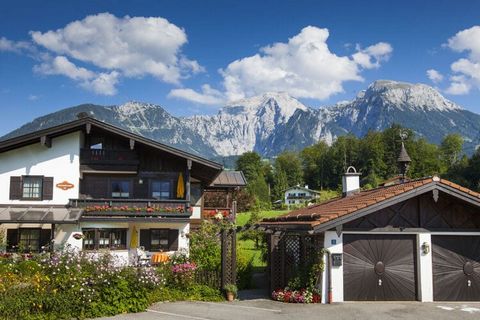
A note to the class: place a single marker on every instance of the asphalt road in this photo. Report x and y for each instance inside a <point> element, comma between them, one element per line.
<point>262,309</point>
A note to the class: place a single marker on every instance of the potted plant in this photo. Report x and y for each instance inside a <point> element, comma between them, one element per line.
<point>230,291</point>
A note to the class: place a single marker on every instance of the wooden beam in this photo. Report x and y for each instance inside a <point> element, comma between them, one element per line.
<point>46,141</point>
<point>187,181</point>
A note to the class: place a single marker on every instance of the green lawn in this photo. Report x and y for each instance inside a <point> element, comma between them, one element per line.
<point>248,246</point>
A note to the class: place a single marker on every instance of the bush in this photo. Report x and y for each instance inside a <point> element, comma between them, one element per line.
<point>72,285</point>
<point>244,270</point>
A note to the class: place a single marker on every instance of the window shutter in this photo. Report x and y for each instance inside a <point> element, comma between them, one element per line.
<point>173,239</point>
<point>15,188</point>
<point>47,188</point>
<point>12,239</point>
<point>145,239</point>
<point>45,235</point>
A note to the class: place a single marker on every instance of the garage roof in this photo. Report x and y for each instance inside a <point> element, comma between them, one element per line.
<point>340,210</point>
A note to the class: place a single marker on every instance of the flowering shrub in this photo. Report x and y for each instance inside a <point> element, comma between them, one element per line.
<point>296,296</point>
<point>183,274</point>
<point>72,285</point>
<point>151,209</point>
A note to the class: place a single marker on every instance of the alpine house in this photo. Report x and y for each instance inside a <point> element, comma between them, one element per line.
<point>409,240</point>
<point>89,185</point>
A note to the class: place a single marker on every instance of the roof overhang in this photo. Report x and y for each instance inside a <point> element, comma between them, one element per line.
<point>41,215</point>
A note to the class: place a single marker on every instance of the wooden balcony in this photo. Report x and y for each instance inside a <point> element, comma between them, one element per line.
<point>105,156</point>
<point>132,207</point>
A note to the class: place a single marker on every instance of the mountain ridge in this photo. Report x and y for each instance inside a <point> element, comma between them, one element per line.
<point>273,122</point>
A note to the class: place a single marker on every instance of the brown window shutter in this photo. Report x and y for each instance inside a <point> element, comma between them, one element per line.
<point>145,239</point>
<point>173,239</point>
<point>15,188</point>
<point>47,188</point>
<point>12,239</point>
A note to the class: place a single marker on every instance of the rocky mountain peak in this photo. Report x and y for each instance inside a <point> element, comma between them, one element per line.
<point>406,96</point>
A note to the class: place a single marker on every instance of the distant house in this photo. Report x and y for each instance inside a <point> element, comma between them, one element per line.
<point>300,195</point>
<point>93,186</point>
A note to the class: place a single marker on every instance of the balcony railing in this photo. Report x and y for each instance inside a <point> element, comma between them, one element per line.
<point>133,207</point>
<point>105,156</point>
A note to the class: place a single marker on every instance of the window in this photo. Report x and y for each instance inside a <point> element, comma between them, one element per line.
<point>161,189</point>
<point>29,240</point>
<point>113,239</point>
<point>32,187</point>
<point>159,240</point>
<point>121,189</point>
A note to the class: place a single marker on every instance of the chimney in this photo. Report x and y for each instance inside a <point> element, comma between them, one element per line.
<point>351,182</point>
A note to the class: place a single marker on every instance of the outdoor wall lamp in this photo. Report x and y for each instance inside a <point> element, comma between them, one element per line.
<point>140,181</point>
<point>425,248</point>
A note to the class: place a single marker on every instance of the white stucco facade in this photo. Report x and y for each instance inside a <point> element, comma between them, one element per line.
<point>299,195</point>
<point>61,162</point>
<point>333,243</point>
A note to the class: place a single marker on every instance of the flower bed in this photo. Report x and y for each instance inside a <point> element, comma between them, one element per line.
<point>296,296</point>
<point>151,209</point>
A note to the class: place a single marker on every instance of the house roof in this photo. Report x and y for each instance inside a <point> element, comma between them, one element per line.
<point>341,210</point>
<point>212,167</point>
<point>228,178</point>
<point>34,137</point>
<point>302,188</point>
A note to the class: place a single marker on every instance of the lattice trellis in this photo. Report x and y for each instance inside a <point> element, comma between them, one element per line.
<point>229,257</point>
<point>288,253</point>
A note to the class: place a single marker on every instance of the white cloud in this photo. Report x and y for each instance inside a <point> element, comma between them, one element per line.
<point>466,70</point>
<point>434,76</point>
<point>100,83</point>
<point>371,56</point>
<point>33,97</point>
<point>304,67</point>
<point>208,95</point>
<point>134,46</point>
<point>14,46</point>
<point>109,48</point>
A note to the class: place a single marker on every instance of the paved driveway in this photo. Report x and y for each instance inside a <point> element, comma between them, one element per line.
<point>262,309</point>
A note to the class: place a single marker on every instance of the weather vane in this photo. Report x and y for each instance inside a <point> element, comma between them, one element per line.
<point>403,135</point>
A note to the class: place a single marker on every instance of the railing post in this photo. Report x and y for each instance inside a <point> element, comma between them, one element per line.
<point>187,182</point>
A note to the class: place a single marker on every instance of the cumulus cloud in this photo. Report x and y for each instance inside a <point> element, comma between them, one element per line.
<point>101,83</point>
<point>303,66</point>
<point>110,48</point>
<point>208,95</point>
<point>434,76</point>
<point>14,46</point>
<point>135,46</point>
<point>371,56</point>
<point>466,70</point>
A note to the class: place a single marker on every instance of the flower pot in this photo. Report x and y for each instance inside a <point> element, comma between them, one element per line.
<point>230,296</point>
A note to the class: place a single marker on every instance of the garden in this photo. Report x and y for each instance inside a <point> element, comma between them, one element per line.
<point>71,284</point>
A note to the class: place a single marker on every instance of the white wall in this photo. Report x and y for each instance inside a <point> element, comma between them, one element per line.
<point>334,244</point>
<point>425,271</point>
<point>61,162</point>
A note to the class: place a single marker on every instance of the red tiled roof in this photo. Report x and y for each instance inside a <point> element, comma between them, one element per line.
<point>338,207</point>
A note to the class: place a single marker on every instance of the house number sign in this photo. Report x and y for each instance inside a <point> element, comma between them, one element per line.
<point>64,185</point>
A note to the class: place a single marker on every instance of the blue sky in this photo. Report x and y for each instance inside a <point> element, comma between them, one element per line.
<point>193,56</point>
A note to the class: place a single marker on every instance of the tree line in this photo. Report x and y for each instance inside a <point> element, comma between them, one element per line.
<point>321,166</point>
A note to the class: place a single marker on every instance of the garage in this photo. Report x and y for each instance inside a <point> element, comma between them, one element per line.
<point>456,268</point>
<point>379,267</point>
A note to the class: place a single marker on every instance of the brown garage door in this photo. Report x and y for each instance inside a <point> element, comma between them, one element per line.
<point>456,268</point>
<point>379,267</point>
